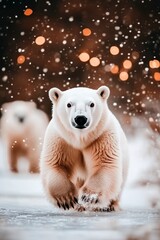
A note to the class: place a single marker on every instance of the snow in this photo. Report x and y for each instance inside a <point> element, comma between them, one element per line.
<point>142,187</point>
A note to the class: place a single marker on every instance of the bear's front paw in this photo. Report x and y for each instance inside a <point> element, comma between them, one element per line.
<point>88,196</point>
<point>113,206</point>
<point>66,201</point>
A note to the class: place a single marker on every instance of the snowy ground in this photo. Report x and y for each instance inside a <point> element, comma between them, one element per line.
<point>39,223</point>
<point>26,214</point>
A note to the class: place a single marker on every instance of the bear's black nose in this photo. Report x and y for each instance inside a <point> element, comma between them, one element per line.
<point>21,119</point>
<point>80,120</point>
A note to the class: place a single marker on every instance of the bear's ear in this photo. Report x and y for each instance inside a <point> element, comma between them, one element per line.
<point>5,107</point>
<point>54,94</point>
<point>103,92</point>
<point>32,104</point>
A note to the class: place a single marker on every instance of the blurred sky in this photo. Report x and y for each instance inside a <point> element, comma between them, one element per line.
<point>82,43</point>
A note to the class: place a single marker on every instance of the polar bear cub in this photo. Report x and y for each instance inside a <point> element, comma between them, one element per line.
<point>22,128</point>
<point>84,157</point>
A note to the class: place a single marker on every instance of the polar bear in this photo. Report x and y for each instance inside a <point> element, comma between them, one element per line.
<point>22,128</point>
<point>84,158</point>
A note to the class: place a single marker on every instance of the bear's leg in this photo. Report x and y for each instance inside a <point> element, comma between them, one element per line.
<point>91,195</point>
<point>104,167</point>
<point>100,192</point>
<point>59,188</point>
<point>33,163</point>
<point>58,171</point>
<point>33,168</point>
<point>13,158</point>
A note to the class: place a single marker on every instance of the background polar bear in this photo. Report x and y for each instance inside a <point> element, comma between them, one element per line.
<point>22,128</point>
<point>84,157</point>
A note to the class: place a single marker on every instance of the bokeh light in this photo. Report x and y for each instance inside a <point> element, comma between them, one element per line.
<point>40,40</point>
<point>135,55</point>
<point>123,76</point>
<point>21,59</point>
<point>157,76</point>
<point>107,68</point>
<point>127,64</point>
<point>114,50</point>
<point>154,63</point>
<point>94,61</point>
<point>114,69</point>
<point>86,32</point>
<point>28,12</point>
<point>61,46</point>
<point>84,57</point>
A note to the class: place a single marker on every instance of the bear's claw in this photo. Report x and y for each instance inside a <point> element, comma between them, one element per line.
<point>67,206</point>
<point>75,200</point>
<point>80,208</point>
<point>105,209</point>
<point>90,198</point>
<point>66,203</point>
<point>58,204</point>
<point>110,208</point>
<point>71,203</point>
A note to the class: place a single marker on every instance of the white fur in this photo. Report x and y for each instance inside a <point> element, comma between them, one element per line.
<point>84,162</point>
<point>23,138</point>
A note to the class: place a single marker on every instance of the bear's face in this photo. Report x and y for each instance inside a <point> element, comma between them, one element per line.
<point>79,108</point>
<point>17,112</point>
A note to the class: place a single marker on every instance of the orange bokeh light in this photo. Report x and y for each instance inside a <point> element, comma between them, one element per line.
<point>40,40</point>
<point>157,76</point>
<point>135,55</point>
<point>21,59</point>
<point>86,32</point>
<point>114,69</point>
<point>28,12</point>
<point>123,76</point>
<point>127,64</point>
<point>94,61</point>
<point>114,50</point>
<point>84,57</point>
<point>154,63</point>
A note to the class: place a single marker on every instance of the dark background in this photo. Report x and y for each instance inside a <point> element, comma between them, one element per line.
<point>133,26</point>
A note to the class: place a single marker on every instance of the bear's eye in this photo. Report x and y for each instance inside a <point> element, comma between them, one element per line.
<point>92,105</point>
<point>69,105</point>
